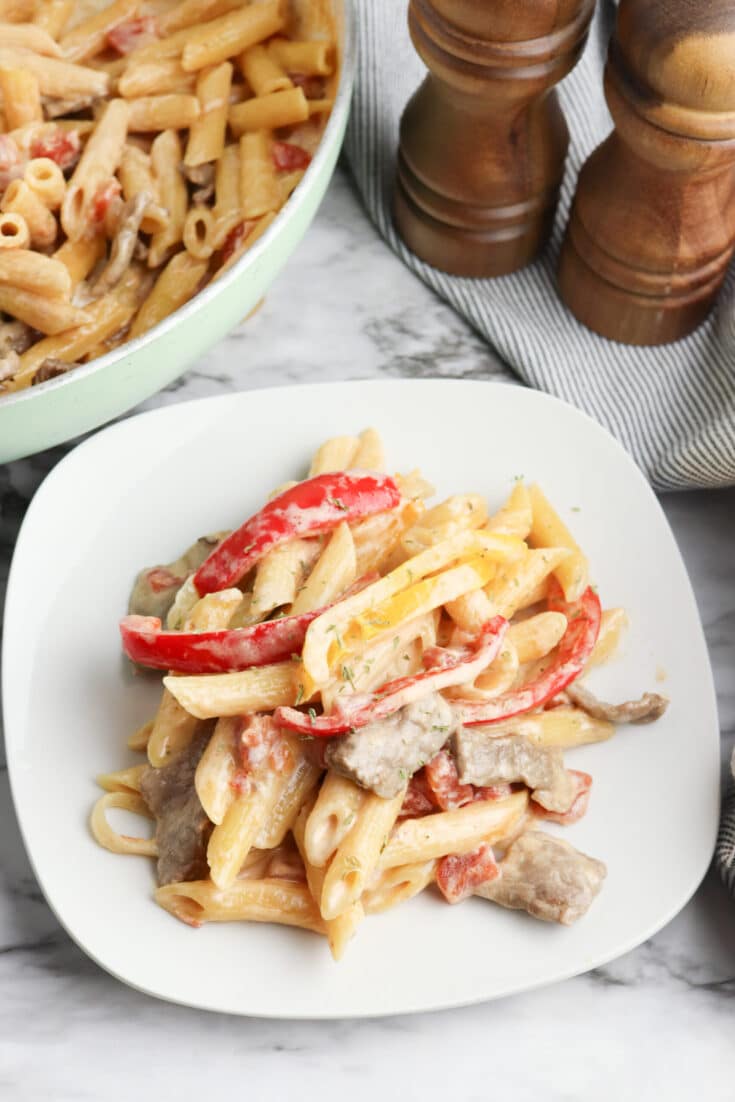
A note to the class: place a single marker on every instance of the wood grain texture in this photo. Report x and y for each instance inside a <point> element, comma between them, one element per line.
<point>652,229</point>
<point>483,140</point>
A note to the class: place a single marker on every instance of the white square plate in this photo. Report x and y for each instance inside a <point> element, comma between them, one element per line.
<point>140,491</point>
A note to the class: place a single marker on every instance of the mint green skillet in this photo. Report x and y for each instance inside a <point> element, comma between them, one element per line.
<point>92,394</point>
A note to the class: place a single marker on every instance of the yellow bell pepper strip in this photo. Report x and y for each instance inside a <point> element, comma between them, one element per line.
<point>306,509</point>
<point>575,647</point>
<point>446,666</point>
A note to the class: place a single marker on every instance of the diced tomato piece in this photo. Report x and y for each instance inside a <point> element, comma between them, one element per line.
<point>419,797</point>
<point>580,803</point>
<point>61,146</point>
<point>287,156</point>
<point>235,238</point>
<point>11,165</point>
<point>159,579</point>
<point>459,874</point>
<point>441,775</point>
<point>314,87</point>
<point>105,194</point>
<point>127,36</point>
<point>260,745</point>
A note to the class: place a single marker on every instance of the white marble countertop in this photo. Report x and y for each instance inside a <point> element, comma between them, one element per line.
<point>654,1024</point>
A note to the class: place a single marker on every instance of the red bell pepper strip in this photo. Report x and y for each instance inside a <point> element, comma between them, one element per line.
<point>224,651</point>
<point>447,667</point>
<point>458,874</point>
<point>574,649</point>
<point>310,507</point>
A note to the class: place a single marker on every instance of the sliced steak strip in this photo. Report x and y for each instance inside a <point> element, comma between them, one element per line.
<point>384,755</point>
<point>182,827</point>
<point>485,760</point>
<point>546,877</point>
<point>646,709</point>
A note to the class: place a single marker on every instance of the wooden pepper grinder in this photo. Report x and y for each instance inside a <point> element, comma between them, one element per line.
<point>483,140</point>
<point>652,228</point>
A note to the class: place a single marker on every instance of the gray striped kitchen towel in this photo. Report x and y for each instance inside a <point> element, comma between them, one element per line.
<point>673,407</point>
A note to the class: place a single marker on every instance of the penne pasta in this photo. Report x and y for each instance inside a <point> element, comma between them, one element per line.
<point>333,573</point>
<point>207,134</point>
<point>190,12</point>
<point>53,15</point>
<point>21,96</point>
<point>96,168</point>
<point>17,11</point>
<point>613,624</point>
<point>515,517</point>
<point>259,193</point>
<point>136,177</point>
<point>286,108</point>
<point>20,199</point>
<point>548,530</point>
<point>155,77</point>
<point>88,38</point>
<point>332,817</point>
<point>123,780</point>
<point>29,36</point>
<point>110,839</point>
<point>172,111</point>
<point>200,230</point>
<point>263,72</point>
<point>298,789</point>
<point>535,637</point>
<point>307,58</point>
<point>35,272</point>
<point>460,831</point>
<point>277,901</point>
<point>335,454</point>
<point>14,232</point>
<point>222,38</point>
<point>176,284</point>
<point>233,694</point>
<point>564,727</point>
<point>370,454</point>
<point>46,181</point>
<point>139,739</point>
<point>279,576</point>
<point>397,885</point>
<point>165,159</point>
<point>358,854</point>
<point>49,316</point>
<point>56,78</point>
<point>514,586</point>
<point>216,770</point>
<point>80,257</point>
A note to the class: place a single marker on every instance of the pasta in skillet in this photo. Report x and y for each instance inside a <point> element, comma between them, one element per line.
<point>145,146</point>
<point>364,698</point>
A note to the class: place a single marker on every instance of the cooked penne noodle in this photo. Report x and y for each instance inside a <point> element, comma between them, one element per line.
<point>298,789</point>
<point>232,839</point>
<point>370,454</point>
<point>535,637</point>
<point>280,574</point>
<point>102,318</point>
<point>261,225</point>
<point>332,817</point>
<point>233,694</point>
<point>390,887</point>
<point>613,624</point>
<point>190,12</point>
<point>53,15</point>
<point>319,106</point>
<point>177,283</point>
<point>56,78</point>
<point>80,257</point>
<point>49,316</point>
<point>35,272</point>
<point>286,108</point>
<point>333,573</point>
<point>165,160</point>
<point>358,854</point>
<point>88,38</point>
<point>46,181</point>
<point>136,176</point>
<point>512,587</point>
<point>123,780</point>
<point>342,928</point>
<point>155,77</point>
<point>95,169</point>
<point>460,831</point>
<point>216,770</point>
<point>200,229</point>
<point>173,730</point>
<point>306,58</point>
<point>263,72</point>
<point>279,901</point>
<point>471,610</point>
<point>172,111</point>
<point>29,36</point>
<point>207,134</point>
<point>139,739</point>
<point>377,538</point>
<point>564,727</point>
<point>335,454</point>
<point>221,38</point>
<point>21,97</point>
<point>20,199</point>
<point>548,530</point>
<point>111,839</point>
<point>258,186</point>
<point>515,517</point>
<point>227,193</point>
<point>14,232</point>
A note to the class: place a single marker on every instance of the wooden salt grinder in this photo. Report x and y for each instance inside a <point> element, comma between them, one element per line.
<point>483,140</point>
<point>652,228</point>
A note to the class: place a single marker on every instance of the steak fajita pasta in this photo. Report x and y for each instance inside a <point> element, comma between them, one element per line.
<point>145,146</point>
<point>365,697</point>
